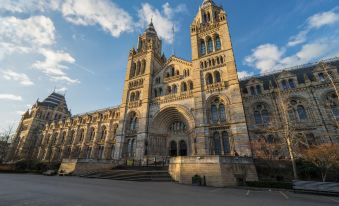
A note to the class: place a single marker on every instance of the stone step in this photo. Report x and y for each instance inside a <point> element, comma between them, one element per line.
<point>131,175</point>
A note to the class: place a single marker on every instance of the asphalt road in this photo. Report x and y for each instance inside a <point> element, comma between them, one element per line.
<point>26,189</point>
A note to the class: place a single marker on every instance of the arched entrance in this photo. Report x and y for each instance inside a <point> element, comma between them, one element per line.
<point>171,132</point>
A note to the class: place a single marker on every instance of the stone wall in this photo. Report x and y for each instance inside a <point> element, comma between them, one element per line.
<point>79,167</point>
<point>219,171</point>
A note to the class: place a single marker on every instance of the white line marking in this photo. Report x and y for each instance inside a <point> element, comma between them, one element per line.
<point>283,194</point>
<point>334,200</point>
<point>248,192</point>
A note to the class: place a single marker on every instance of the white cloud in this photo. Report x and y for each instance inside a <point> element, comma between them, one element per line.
<point>162,20</point>
<point>54,64</point>
<point>104,13</point>
<point>323,19</point>
<point>264,57</point>
<point>244,74</point>
<point>268,57</point>
<point>20,77</point>
<point>10,97</point>
<point>34,35</point>
<point>36,31</point>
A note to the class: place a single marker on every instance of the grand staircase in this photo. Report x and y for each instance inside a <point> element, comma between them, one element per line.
<point>142,174</point>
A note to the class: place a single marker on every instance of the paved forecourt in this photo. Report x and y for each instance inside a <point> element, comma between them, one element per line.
<point>26,189</point>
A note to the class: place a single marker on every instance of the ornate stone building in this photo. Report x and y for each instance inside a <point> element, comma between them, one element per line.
<point>174,107</point>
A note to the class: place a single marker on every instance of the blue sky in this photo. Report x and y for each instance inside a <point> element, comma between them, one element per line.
<point>81,46</point>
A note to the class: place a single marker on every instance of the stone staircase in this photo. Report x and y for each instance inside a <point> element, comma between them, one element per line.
<point>141,174</point>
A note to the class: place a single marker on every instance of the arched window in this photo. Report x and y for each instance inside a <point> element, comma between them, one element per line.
<point>214,113</point>
<point>270,139</point>
<point>130,147</point>
<point>160,91</point>
<point>209,45</point>
<point>226,142</point>
<point>332,103</point>
<point>265,116</point>
<point>169,90</point>
<point>133,68</point>
<point>301,112</point>
<point>257,117</point>
<point>138,68</point>
<point>184,87</point>
<point>321,77</point>
<point>217,76</point>
<point>182,148</point>
<point>191,85</point>
<point>209,78</point>
<point>222,114</point>
<point>216,143</point>
<point>137,95</point>
<point>202,47</point>
<point>173,149</point>
<point>133,121</point>
<point>91,134</point>
<point>81,135</point>
<point>174,89</point>
<point>103,133</point>
<point>143,67</point>
<point>132,97</point>
<point>217,43</point>
<point>155,93</point>
<point>291,83</point>
<point>261,114</point>
<point>258,87</point>
<point>284,85</point>
<point>252,90</point>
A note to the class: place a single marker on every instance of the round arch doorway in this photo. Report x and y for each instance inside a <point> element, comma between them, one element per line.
<point>171,132</point>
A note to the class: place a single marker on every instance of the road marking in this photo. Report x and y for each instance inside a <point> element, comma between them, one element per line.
<point>248,192</point>
<point>334,200</point>
<point>283,194</point>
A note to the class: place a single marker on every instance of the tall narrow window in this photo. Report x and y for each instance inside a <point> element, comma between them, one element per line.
<point>257,117</point>
<point>284,85</point>
<point>321,77</point>
<point>252,90</point>
<point>217,43</point>
<point>222,112</point>
<point>258,87</point>
<point>291,83</point>
<point>217,76</point>
<point>216,142</point>
<point>226,142</point>
<point>265,116</point>
<point>214,112</point>
<point>301,112</point>
<point>202,47</point>
<point>209,79</point>
<point>191,85</point>
<point>209,45</point>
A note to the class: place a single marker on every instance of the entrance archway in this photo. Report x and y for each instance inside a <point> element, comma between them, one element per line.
<point>171,132</point>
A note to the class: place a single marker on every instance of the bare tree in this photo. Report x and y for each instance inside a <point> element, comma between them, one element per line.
<point>5,141</point>
<point>323,156</point>
<point>288,127</point>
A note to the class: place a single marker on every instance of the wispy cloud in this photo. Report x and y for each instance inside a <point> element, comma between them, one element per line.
<point>34,35</point>
<point>268,57</point>
<point>20,77</point>
<point>163,20</point>
<point>11,97</point>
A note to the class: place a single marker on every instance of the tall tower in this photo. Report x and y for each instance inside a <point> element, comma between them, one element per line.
<point>25,143</point>
<point>218,103</point>
<point>143,62</point>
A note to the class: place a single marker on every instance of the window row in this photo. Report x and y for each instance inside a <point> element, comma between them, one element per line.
<point>212,78</point>
<point>211,44</point>
<point>134,96</point>
<point>184,87</point>
<point>138,68</point>
<point>211,62</point>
